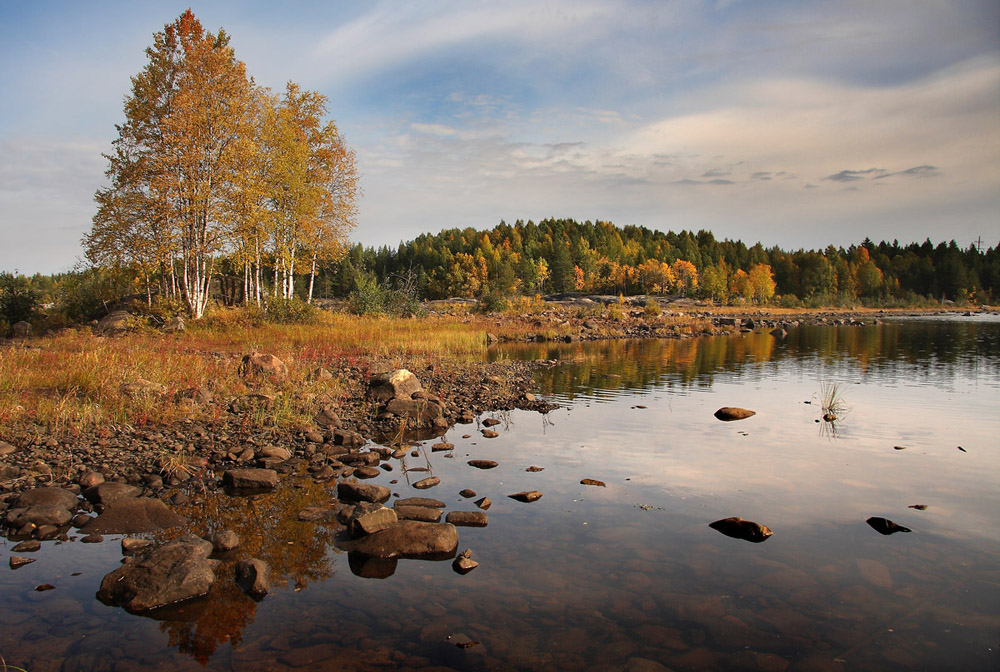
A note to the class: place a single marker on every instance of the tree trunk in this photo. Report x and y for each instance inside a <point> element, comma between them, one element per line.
<point>312,279</point>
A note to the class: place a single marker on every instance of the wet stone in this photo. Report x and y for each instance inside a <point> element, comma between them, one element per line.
<point>443,445</point>
<point>484,503</point>
<point>366,472</point>
<point>467,493</point>
<point>483,464</point>
<point>225,540</point>
<point>363,492</point>
<point>526,496</point>
<point>250,479</point>
<point>737,528</point>
<point>131,546</point>
<point>426,483</point>
<point>420,501</point>
<point>467,518</point>
<point>885,526</point>
<point>730,413</point>
<point>92,538</point>
<point>254,577</point>
<point>16,561</point>
<point>464,563</point>
<point>534,470</point>
<point>591,481</point>
<point>29,546</point>
<point>422,513</point>
<point>489,434</point>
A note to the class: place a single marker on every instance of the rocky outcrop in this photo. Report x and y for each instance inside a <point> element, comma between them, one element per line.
<point>176,571</point>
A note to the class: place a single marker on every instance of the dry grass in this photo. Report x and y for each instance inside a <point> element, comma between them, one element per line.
<point>74,381</point>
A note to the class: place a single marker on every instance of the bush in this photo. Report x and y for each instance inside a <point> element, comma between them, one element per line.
<point>789,301</point>
<point>18,301</point>
<point>290,311</point>
<point>370,297</point>
<point>652,308</point>
<point>491,302</point>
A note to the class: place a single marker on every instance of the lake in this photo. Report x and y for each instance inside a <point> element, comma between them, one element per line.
<point>627,575</point>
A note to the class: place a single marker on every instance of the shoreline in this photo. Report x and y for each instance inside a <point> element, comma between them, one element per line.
<point>159,458</point>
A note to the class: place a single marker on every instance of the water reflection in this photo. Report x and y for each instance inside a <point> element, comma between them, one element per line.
<point>929,351</point>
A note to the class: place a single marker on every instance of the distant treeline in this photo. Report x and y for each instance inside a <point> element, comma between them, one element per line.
<point>563,255</point>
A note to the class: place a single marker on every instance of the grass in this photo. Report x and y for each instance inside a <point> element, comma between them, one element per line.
<point>73,381</point>
<point>831,399</point>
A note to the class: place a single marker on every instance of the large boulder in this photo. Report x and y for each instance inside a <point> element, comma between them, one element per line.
<point>134,516</point>
<point>49,496</point>
<point>42,506</point>
<point>398,384</point>
<point>114,323</point>
<point>410,539</point>
<point>262,364</point>
<point>176,571</point>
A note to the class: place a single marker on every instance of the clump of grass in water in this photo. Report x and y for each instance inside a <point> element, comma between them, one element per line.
<point>832,401</point>
<point>4,666</point>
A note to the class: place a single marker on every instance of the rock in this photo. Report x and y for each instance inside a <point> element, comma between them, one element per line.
<point>45,586</point>
<point>467,518</point>
<point>489,434</point>
<point>467,493</point>
<point>428,482</point>
<point>29,546</point>
<point>829,417</point>
<point>778,332</point>
<point>275,452</point>
<point>21,329</point>
<point>738,528</point>
<point>484,503</point>
<point>363,492</point>
<point>591,481</point>
<point>442,445</point>
<point>140,387</point>
<point>534,470</point>
<point>398,384</point>
<point>92,538</point>
<point>342,437</point>
<point>80,520</point>
<point>225,540</point>
<point>174,325</point>
<point>253,577</point>
<point>16,561</point>
<point>423,412</point>
<point>321,374</point>
<point>368,518</point>
<point>109,492</point>
<point>311,514</point>
<point>250,479</point>
<point>729,413</point>
<point>90,479</point>
<point>131,546</point>
<point>6,448</point>
<point>49,496</point>
<point>464,563</point>
<point>490,422</point>
<point>326,417</point>
<point>38,515</point>
<point>114,323</point>
<point>134,516</point>
<point>175,571</point>
<point>195,395</point>
<point>886,526</point>
<point>420,501</point>
<point>529,397</point>
<point>409,539</point>
<point>483,464</point>
<point>262,364</point>
<point>422,513</point>
<point>526,496</point>
<point>918,507</point>
<point>366,472</point>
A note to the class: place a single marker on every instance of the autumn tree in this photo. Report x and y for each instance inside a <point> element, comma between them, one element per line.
<point>762,283</point>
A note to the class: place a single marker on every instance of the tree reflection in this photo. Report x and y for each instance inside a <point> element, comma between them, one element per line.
<point>269,529</point>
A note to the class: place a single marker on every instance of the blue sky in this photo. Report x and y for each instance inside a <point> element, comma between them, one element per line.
<point>799,124</point>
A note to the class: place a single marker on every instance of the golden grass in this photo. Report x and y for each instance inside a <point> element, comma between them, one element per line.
<point>74,381</point>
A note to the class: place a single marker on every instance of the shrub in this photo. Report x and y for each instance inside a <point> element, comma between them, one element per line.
<point>652,308</point>
<point>491,302</point>
<point>370,297</point>
<point>290,311</point>
<point>18,301</point>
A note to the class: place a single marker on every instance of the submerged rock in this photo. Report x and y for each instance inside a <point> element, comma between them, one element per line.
<point>730,413</point>
<point>250,479</point>
<point>885,526</point>
<point>738,528</point>
<point>176,571</point>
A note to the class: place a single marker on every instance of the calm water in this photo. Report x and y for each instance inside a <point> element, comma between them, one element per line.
<point>589,578</point>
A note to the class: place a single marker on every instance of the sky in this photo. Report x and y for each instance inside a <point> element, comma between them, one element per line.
<point>797,123</point>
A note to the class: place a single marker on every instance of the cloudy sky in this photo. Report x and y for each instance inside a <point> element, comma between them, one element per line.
<point>798,123</point>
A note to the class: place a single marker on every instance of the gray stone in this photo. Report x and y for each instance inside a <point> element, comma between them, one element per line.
<point>368,518</point>
<point>176,571</point>
<point>398,384</point>
<point>262,364</point>
<point>50,496</point>
<point>225,540</point>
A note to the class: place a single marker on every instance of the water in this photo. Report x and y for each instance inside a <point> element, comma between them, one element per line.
<point>590,578</point>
